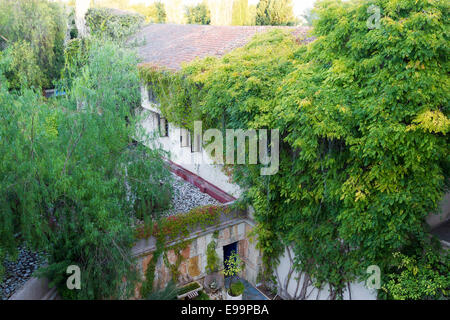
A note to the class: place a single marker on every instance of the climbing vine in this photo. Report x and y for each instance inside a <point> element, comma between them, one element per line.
<point>363,119</point>
<point>175,228</point>
<point>180,226</point>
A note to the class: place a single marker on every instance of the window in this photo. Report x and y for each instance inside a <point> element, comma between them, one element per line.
<point>185,137</point>
<point>196,143</point>
<point>152,96</point>
<point>163,126</point>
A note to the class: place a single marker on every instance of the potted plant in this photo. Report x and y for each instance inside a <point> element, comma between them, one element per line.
<point>188,290</point>
<point>234,266</point>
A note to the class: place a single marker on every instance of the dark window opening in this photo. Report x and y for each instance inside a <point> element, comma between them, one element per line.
<point>228,251</point>
<point>184,137</point>
<point>195,143</point>
<point>152,96</point>
<point>163,126</point>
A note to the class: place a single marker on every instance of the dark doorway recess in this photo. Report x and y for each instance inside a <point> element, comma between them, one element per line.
<point>228,250</point>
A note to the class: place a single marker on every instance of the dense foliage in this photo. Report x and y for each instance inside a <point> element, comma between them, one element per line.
<point>275,13</point>
<point>419,277</point>
<point>198,14</point>
<point>161,14</point>
<point>363,118</point>
<point>34,31</point>
<point>152,12</point>
<point>113,24</point>
<point>170,292</point>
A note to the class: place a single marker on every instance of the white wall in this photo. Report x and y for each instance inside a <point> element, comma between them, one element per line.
<point>292,288</point>
<point>196,162</point>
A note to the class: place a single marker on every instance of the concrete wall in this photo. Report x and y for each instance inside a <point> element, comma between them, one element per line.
<point>35,289</point>
<point>197,162</point>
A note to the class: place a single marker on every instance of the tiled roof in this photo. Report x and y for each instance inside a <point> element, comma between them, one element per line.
<point>169,45</point>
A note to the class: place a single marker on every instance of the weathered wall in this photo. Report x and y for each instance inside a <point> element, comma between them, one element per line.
<point>194,255</point>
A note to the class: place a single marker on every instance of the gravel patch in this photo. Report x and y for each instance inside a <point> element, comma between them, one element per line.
<point>186,197</point>
<point>19,271</point>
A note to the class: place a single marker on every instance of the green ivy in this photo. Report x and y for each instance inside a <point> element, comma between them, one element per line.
<point>363,118</point>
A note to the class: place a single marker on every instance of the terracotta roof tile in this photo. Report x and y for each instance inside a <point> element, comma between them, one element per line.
<point>169,45</point>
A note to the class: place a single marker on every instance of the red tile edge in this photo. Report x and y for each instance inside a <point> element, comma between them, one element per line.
<point>202,184</point>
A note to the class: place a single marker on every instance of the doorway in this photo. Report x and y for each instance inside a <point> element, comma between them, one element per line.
<point>227,251</point>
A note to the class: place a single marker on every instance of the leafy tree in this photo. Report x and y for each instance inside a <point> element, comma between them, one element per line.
<point>20,66</point>
<point>110,23</point>
<point>41,24</point>
<point>221,12</point>
<point>240,14</point>
<point>160,12</point>
<point>274,13</point>
<point>72,180</point>
<point>199,14</point>
<point>309,16</point>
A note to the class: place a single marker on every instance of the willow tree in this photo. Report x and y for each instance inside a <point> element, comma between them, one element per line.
<point>72,179</point>
<point>41,25</point>
<point>363,116</point>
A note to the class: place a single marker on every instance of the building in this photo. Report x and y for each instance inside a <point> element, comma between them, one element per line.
<point>168,47</point>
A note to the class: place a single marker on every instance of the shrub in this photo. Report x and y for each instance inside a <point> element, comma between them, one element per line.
<point>419,277</point>
<point>237,288</point>
<point>202,296</point>
<point>20,66</point>
<point>212,258</point>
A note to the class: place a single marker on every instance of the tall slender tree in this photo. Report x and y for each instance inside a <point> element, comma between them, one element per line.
<point>275,13</point>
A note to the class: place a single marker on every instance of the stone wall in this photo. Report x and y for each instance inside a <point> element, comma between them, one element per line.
<point>194,262</point>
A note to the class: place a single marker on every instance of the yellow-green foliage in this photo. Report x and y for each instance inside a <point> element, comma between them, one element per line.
<point>363,117</point>
<point>419,278</point>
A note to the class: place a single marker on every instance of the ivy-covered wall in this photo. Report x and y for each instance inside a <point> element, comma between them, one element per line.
<point>364,121</point>
<point>176,249</point>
